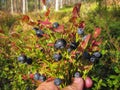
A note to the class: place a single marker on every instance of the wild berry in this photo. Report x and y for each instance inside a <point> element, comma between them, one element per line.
<point>93,59</point>
<point>22,58</point>
<point>80,31</point>
<point>55,25</point>
<point>36,76</point>
<point>57,81</point>
<point>86,55</point>
<point>42,78</point>
<point>29,61</point>
<point>35,28</point>
<point>73,45</point>
<point>77,74</point>
<point>60,43</point>
<point>57,57</point>
<point>39,33</point>
<point>97,54</point>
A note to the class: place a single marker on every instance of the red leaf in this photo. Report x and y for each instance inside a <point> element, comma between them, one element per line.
<point>44,23</point>
<point>25,18</point>
<point>85,42</point>
<point>44,2</point>
<point>95,43</point>
<point>97,32</point>
<point>31,76</point>
<point>76,10</point>
<point>48,12</point>
<point>82,24</point>
<point>1,31</point>
<point>46,35</point>
<point>59,29</point>
<point>50,44</point>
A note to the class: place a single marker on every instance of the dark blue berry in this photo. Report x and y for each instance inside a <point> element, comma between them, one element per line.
<point>29,61</point>
<point>60,43</point>
<point>80,31</point>
<point>57,57</point>
<point>39,33</point>
<point>55,25</point>
<point>35,28</point>
<point>57,81</point>
<point>86,55</point>
<point>73,45</point>
<point>36,76</point>
<point>42,78</point>
<point>77,74</point>
<point>93,59</point>
<point>97,54</point>
<point>22,58</point>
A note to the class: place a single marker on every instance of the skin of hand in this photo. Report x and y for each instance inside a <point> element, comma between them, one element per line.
<point>78,84</point>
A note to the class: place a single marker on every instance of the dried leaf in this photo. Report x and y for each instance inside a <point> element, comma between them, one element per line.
<point>25,18</point>
<point>15,34</point>
<point>97,32</point>
<point>50,44</point>
<point>45,23</point>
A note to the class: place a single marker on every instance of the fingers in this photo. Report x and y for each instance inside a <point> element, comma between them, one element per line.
<point>47,86</point>
<point>78,84</point>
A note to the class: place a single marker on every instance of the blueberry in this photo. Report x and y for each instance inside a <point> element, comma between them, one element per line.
<point>55,25</point>
<point>80,31</point>
<point>39,33</point>
<point>35,28</point>
<point>93,59</point>
<point>97,54</point>
<point>57,57</point>
<point>77,74</point>
<point>22,58</point>
<point>29,61</point>
<point>86,55</point>
<point>57,81</point>
<point>60,43</point>
<point>73,45</point>
<point>36,76</point>
<point>42,78</point>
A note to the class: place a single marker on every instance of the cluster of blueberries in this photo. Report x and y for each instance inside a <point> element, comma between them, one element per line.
<point>60,44</point>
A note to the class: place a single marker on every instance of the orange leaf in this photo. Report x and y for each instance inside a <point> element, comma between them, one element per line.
<point>97,32</point>
<point>48,12</point>
<point>76,10</point>
<point>50,44</point>
<point>85,42</point>
<point>32,23</point>
<point>25,18</point>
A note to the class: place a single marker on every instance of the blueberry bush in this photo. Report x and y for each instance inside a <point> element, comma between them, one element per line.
<point>36,49</point>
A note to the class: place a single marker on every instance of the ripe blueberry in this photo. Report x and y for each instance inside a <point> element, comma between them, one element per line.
<point>57,81</point>
<point>80,31</point>
<point>60,43</point>
<point>73,45</point>
<point>86,55</point>
<point>97,54</point>
<point>55,25</point>
<point>77,74</point>
<point>39,33</point>
<point>35,28</point>
<point>42,78</point>
<point>22,58</point>
<point>29,61</point>
<point>93,59</point>
<point>36,76</point>
<point>57,57</point>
